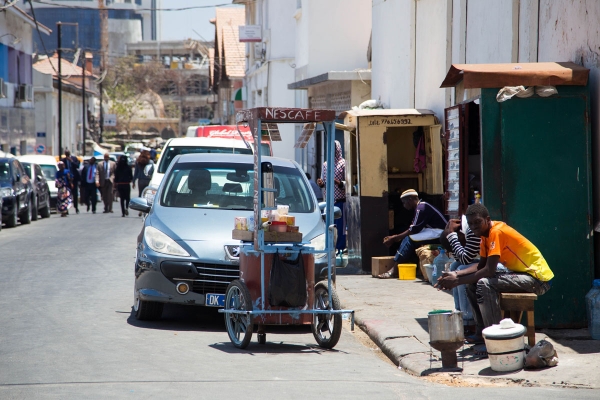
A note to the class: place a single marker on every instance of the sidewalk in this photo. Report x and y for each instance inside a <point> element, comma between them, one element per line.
<point>394,315</point>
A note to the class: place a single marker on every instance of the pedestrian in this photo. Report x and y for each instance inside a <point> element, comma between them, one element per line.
<point>123,178</point>
<point>316,189</point>
<point>143,171</point>
<point>64,185</point>
<point>89,184</point>
<point>339,193</point>
<point>105,176</point>
<point>72,164</point>
<point>528,271</point>
<point>426,228</point>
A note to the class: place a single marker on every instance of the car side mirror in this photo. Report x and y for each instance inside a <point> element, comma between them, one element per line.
<point>337,212</point>
<point>140,204</point>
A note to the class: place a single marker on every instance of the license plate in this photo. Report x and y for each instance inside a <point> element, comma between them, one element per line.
<point>215,300</point>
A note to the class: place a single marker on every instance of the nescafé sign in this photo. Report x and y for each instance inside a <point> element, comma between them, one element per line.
<point>279,114</point>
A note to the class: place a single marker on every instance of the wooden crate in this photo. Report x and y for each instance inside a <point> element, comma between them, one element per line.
<point>284,237</point>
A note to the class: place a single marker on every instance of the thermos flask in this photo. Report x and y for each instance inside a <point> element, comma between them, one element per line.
<point>268,183</point>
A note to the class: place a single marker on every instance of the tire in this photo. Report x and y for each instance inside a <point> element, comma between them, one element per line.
<point>45,212</point>
<point>11,222</point>
<point>25,218</point>
<point>148,310</point>
<point>326,329</point>
<point>34,210</point>
<point>239,326</point>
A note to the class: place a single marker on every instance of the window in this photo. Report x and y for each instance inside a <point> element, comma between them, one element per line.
<point>230,186</point>
<point>171,152</point>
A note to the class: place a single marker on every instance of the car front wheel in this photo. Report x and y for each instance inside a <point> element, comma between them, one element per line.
<point>34,206</point>
<point>11,221</point>
<point>148,310</point>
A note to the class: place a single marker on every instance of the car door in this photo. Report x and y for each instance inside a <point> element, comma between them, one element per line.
<point>41,185</point>
<point>19,176</point>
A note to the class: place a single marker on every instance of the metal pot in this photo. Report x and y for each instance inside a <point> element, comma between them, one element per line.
<point>446,327</point>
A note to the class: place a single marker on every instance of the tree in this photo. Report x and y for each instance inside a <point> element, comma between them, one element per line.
<point>126,84</point>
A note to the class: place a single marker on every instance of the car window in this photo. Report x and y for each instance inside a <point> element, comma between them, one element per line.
<point>171,152</point>
<point>5,172</point>
<point>49,171</point>
<point>15,170</point>
<point>27,169</point>
<point>38,171</point>
<point>230,186</point>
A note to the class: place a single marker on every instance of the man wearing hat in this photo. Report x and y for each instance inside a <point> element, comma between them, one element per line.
<point>426,228</point>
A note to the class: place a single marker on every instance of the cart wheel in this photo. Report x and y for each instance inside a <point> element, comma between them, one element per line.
<point>262,338</point>
<point>239,326</point>
<point>326,328</point>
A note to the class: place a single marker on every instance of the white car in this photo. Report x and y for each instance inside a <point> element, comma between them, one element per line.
<point>49,167</point>
<point>177,146</point>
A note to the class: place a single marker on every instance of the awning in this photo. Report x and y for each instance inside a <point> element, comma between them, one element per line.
<point>515,74</point>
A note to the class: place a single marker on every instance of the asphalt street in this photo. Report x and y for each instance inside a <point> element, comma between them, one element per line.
<point>67,332</point>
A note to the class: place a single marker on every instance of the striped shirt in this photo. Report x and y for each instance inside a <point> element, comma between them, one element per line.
<point>465,255</point>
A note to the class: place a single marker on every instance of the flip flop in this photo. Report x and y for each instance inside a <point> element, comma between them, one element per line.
<point>388,275</point>
<point>474,339</point>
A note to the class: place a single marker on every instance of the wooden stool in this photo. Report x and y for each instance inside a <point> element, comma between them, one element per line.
<point>513,305</point>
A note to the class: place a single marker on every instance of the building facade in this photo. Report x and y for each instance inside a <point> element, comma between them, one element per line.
<point>17,112</point>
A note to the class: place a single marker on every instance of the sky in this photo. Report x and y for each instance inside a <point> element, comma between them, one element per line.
<point>179,25</point>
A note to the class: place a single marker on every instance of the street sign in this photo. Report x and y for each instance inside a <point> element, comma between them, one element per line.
<point>40,149</point>
<point>250,33</point>
<point>110,119</point>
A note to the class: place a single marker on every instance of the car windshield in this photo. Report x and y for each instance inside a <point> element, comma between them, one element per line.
<point>170,153</point>
<point>230,186</point>
<point>4,171</point>
<point>49,171</point>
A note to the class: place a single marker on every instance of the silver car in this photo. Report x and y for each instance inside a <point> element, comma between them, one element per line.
<point>185,253</point>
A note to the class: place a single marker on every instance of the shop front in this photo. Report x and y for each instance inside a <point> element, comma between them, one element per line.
<point>530,157</point>
<point>381,149</point>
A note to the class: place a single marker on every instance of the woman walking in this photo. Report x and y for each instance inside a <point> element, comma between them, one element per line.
<point>64,184</point>
<point>144,168</point>
<point>123,178</point>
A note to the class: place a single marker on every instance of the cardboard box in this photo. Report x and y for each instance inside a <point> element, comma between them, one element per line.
<point>283,237</point>
<point>379,265</point>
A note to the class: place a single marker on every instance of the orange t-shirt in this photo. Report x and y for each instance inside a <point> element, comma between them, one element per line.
<point>516,252</point>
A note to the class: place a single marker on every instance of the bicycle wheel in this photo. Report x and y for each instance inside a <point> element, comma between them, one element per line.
<point>239,326</point>
<point>326,328</point>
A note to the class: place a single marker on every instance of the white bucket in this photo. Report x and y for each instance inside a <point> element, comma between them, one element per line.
<point>505,345</point>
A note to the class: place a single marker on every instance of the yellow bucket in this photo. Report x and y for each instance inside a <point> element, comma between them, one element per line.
<point>407,272</point>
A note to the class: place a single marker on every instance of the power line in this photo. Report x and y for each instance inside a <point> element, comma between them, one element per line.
<point>135,9</point>
<point>5,6</point>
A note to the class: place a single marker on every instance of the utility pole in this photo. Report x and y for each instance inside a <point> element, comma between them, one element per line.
<point>59,51</point>
<point>83,108</point>
<point>103,54</point>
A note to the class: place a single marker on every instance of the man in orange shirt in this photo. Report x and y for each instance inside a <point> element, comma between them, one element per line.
<point>528,271</point>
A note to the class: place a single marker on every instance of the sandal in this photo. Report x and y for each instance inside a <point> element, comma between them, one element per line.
<point>388,275</point>
<point>474,339</point>
<point>480,351</point>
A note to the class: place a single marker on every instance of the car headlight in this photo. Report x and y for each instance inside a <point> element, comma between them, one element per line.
<point>149,194</point>
<point>318,243</point>
<point>162,243</point>
<point>6,192</point>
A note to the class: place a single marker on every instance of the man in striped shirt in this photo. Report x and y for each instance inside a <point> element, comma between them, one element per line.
<point>426,228</point>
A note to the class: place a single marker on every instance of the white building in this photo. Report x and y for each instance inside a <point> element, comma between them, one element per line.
<point>270,63</point>
<point>331,66</point>
<point>17,128</point>
<point>45,81</point>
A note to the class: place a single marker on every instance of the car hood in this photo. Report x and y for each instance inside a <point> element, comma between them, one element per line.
<point>205,224</point>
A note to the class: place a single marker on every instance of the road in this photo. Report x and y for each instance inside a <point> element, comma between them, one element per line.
<point>67,332</point>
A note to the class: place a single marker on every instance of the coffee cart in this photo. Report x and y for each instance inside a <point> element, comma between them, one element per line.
<point>246,299</point>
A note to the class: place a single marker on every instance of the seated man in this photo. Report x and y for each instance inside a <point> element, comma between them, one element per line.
<point>528,271</point>
<point>426,228</point>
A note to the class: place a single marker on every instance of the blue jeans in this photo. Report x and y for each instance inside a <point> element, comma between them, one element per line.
<point>406,252</point>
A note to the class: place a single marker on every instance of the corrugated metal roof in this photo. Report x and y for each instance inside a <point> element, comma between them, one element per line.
<point>516,74</point>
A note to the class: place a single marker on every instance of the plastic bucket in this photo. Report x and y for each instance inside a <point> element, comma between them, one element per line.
<point>407,272</point>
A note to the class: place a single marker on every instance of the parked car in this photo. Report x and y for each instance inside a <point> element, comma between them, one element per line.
<point>41,191</point>
<point>49,167</point>
<point>17,192</point>
<point>187,233</point>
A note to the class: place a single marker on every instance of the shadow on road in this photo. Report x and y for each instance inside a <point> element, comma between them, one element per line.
<point>183,318</point>
<point>275,347</point>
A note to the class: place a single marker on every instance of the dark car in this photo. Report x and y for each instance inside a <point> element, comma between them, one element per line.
<point>41,191</point>
<point>17,192</point>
